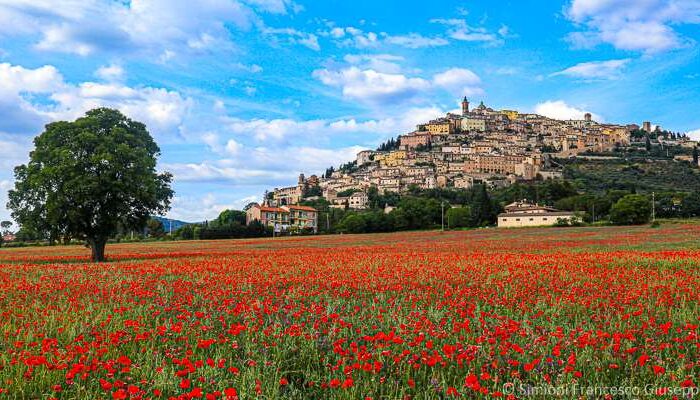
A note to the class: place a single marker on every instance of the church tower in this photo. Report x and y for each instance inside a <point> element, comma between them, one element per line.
<point>465,107</point>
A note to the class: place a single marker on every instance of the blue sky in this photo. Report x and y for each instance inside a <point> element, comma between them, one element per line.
<point>243,95</point>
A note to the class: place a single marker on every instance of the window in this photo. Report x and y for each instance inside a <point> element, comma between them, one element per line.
<point>532,219</point>
<point>517,219</point>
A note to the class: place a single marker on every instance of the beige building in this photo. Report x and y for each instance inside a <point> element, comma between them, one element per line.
<point>355,201</point>
<point>415,139</point>
<point>522,213</point>
<point>441,126</point>
<point>365,157</point>
<point>293,194</point>
<point>474,124</point>
<point>290,218</point>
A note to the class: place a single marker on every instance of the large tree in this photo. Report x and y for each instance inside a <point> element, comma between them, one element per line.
<point>633,209</point>
<point>86,178</point>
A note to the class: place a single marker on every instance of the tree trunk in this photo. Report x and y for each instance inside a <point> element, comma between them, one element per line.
<point>98,249</point>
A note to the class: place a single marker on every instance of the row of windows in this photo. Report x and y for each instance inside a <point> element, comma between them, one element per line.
<point>518,219</point>
<point>286,216</point>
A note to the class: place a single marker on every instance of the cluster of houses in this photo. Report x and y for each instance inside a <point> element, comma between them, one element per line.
<point>484,145</point>
<point>494,147</point>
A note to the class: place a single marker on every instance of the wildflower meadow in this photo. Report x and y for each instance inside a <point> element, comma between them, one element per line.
<point>476,314</point>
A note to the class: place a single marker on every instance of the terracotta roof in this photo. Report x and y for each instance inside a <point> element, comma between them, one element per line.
<point>547,214</point>
<point>305,208</point>
<point>272,209</point>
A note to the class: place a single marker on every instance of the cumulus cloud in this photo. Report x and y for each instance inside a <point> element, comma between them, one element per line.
<point>287,129</point>
<point>30,98</point>
<point>459,81</point>
<point>159,26</point>
<point>376,87</point>
<point>18,85</point>
<point>110,72</point>
<point>372,86</point>
<point>352,37</point>
<point>596,70</point>
<point>264,165</point>
<point>646,26</point>
<point>386,63</point>
<point>559,109</point>
<point>207,206</point>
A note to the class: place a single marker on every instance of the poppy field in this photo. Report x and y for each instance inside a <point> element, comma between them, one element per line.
<point>609,312</point>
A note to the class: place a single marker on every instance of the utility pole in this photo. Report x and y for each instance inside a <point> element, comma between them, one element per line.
<point>653,207</point>
<point>442,215</point>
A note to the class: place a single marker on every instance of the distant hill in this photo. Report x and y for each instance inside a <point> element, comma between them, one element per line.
<point>633,174</point>
<point>176,224</point>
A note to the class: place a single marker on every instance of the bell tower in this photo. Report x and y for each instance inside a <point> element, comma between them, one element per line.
<point>465,107</point>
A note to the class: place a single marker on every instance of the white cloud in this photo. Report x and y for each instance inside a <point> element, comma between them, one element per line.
<point>460,81</point>
<point>506,71</point>
<point>416,41</point>
<point>646,26</point>
<point>14,150</point>
<point>5,185</point>
<point>14,78</point>
<point>18,85</point>
<point>253,68</point>
<point>372,86</point>
<point>110,72</point>
<point>206,207</point>
<point>375,87</point>
<point>293,36</point>
<point>274,6</point>
<point>458,29</point>
<point>592,70</point>
<point>561,110</point>
<point>358,38</point>
<point>276,129</point>
<point>287,132</point>
<point>30,98</point>
<point>264,165</point>
<point>386,63</point>
<point>88,26</point>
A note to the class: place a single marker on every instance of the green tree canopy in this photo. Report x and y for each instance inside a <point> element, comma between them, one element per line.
<point>690,205</point>
<point>86,178</point>
<point>155,228</point>
<point>458,217</point>
<point>229,217</point>
<point>633,209</point>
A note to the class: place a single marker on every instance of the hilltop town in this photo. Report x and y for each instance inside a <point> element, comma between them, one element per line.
<point>493,147</point>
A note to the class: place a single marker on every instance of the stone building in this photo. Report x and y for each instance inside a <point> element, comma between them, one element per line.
<point>523,213</point>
